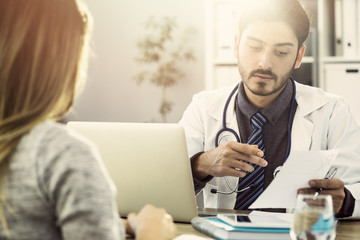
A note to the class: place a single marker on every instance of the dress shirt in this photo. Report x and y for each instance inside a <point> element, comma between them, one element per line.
<point>275,131</point>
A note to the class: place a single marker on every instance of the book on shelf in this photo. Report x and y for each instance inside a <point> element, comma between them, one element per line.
<point>216,228</point>
<point>338,28</point>
<point>358,27</point>
<point>349,28</point>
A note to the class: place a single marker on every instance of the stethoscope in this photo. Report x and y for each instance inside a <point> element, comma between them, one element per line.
<point>225,129</point>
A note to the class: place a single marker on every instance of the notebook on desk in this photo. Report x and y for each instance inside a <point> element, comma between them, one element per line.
<point>148,163</point>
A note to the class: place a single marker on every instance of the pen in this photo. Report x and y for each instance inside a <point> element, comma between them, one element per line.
<point>330,174</point>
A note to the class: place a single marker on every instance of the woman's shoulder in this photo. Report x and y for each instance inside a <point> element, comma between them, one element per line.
<point>54,133</point>
<point>50,139</point>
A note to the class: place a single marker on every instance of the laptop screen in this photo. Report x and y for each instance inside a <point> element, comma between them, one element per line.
<point>148,163</point>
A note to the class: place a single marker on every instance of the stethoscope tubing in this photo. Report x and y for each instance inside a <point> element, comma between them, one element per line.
<point>226,129</point>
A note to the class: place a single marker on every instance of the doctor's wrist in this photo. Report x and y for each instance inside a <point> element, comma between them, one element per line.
<point>348,206</point>
<point>198,170</point>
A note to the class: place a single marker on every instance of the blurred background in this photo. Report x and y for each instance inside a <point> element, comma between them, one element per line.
<point>111,92</point>
<point>150,57</point>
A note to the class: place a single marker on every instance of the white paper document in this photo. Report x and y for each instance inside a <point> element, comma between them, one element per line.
<point>299,168</point>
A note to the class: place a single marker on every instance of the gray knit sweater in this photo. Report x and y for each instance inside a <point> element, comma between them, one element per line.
<point>58,188</point>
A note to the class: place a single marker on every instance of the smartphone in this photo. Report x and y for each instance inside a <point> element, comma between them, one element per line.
<point>258,220</point>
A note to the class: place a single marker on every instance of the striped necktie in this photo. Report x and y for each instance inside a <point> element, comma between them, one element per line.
<point>256,178</point>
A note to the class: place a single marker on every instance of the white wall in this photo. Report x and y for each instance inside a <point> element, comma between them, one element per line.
<point>110,93</point>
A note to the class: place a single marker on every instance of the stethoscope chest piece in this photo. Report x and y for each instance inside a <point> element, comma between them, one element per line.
<point>277,170</point>
<point>227,136</point>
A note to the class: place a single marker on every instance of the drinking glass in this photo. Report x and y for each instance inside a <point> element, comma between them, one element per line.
<point>313,218</point>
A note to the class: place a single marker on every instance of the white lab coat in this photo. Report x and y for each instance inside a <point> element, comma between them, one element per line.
<point>322,121</point>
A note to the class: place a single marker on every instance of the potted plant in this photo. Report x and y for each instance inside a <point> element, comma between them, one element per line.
<point>160,53</point>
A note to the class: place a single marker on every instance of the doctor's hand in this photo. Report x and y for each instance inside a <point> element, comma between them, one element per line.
<point>228,159</point>
<point>334,187</point>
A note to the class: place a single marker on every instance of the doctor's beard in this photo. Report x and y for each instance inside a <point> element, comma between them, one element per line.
<point>261,90</point>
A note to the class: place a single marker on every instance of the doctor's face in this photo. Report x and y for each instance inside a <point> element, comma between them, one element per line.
<point>267,53</point>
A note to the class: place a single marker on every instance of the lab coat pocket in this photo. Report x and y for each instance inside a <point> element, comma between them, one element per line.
<point>210,199</point>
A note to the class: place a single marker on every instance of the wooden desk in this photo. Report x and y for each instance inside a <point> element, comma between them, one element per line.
<point>346,230</point>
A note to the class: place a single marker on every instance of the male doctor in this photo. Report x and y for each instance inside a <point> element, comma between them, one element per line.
<point>239,136</point>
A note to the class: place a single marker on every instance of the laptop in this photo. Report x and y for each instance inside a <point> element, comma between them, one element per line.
<point>148,163</point>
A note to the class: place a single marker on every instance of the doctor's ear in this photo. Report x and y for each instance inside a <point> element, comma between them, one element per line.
<point>300,55</point>
<point>236,45</point>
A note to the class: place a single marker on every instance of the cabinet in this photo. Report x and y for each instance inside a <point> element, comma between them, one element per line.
<point>333,22</point>
<point>348,76</point>
<point>339,49</point>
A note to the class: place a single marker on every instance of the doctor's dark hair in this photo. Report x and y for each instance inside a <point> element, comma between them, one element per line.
<point>289,11</point>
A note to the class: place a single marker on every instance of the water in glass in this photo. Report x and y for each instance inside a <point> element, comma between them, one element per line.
<point>313,218</point>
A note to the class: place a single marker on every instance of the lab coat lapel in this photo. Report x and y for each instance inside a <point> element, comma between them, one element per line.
<point>231,121</point>
<point>301,133</point>
<point>303,126</point>
<point>217,108</point>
